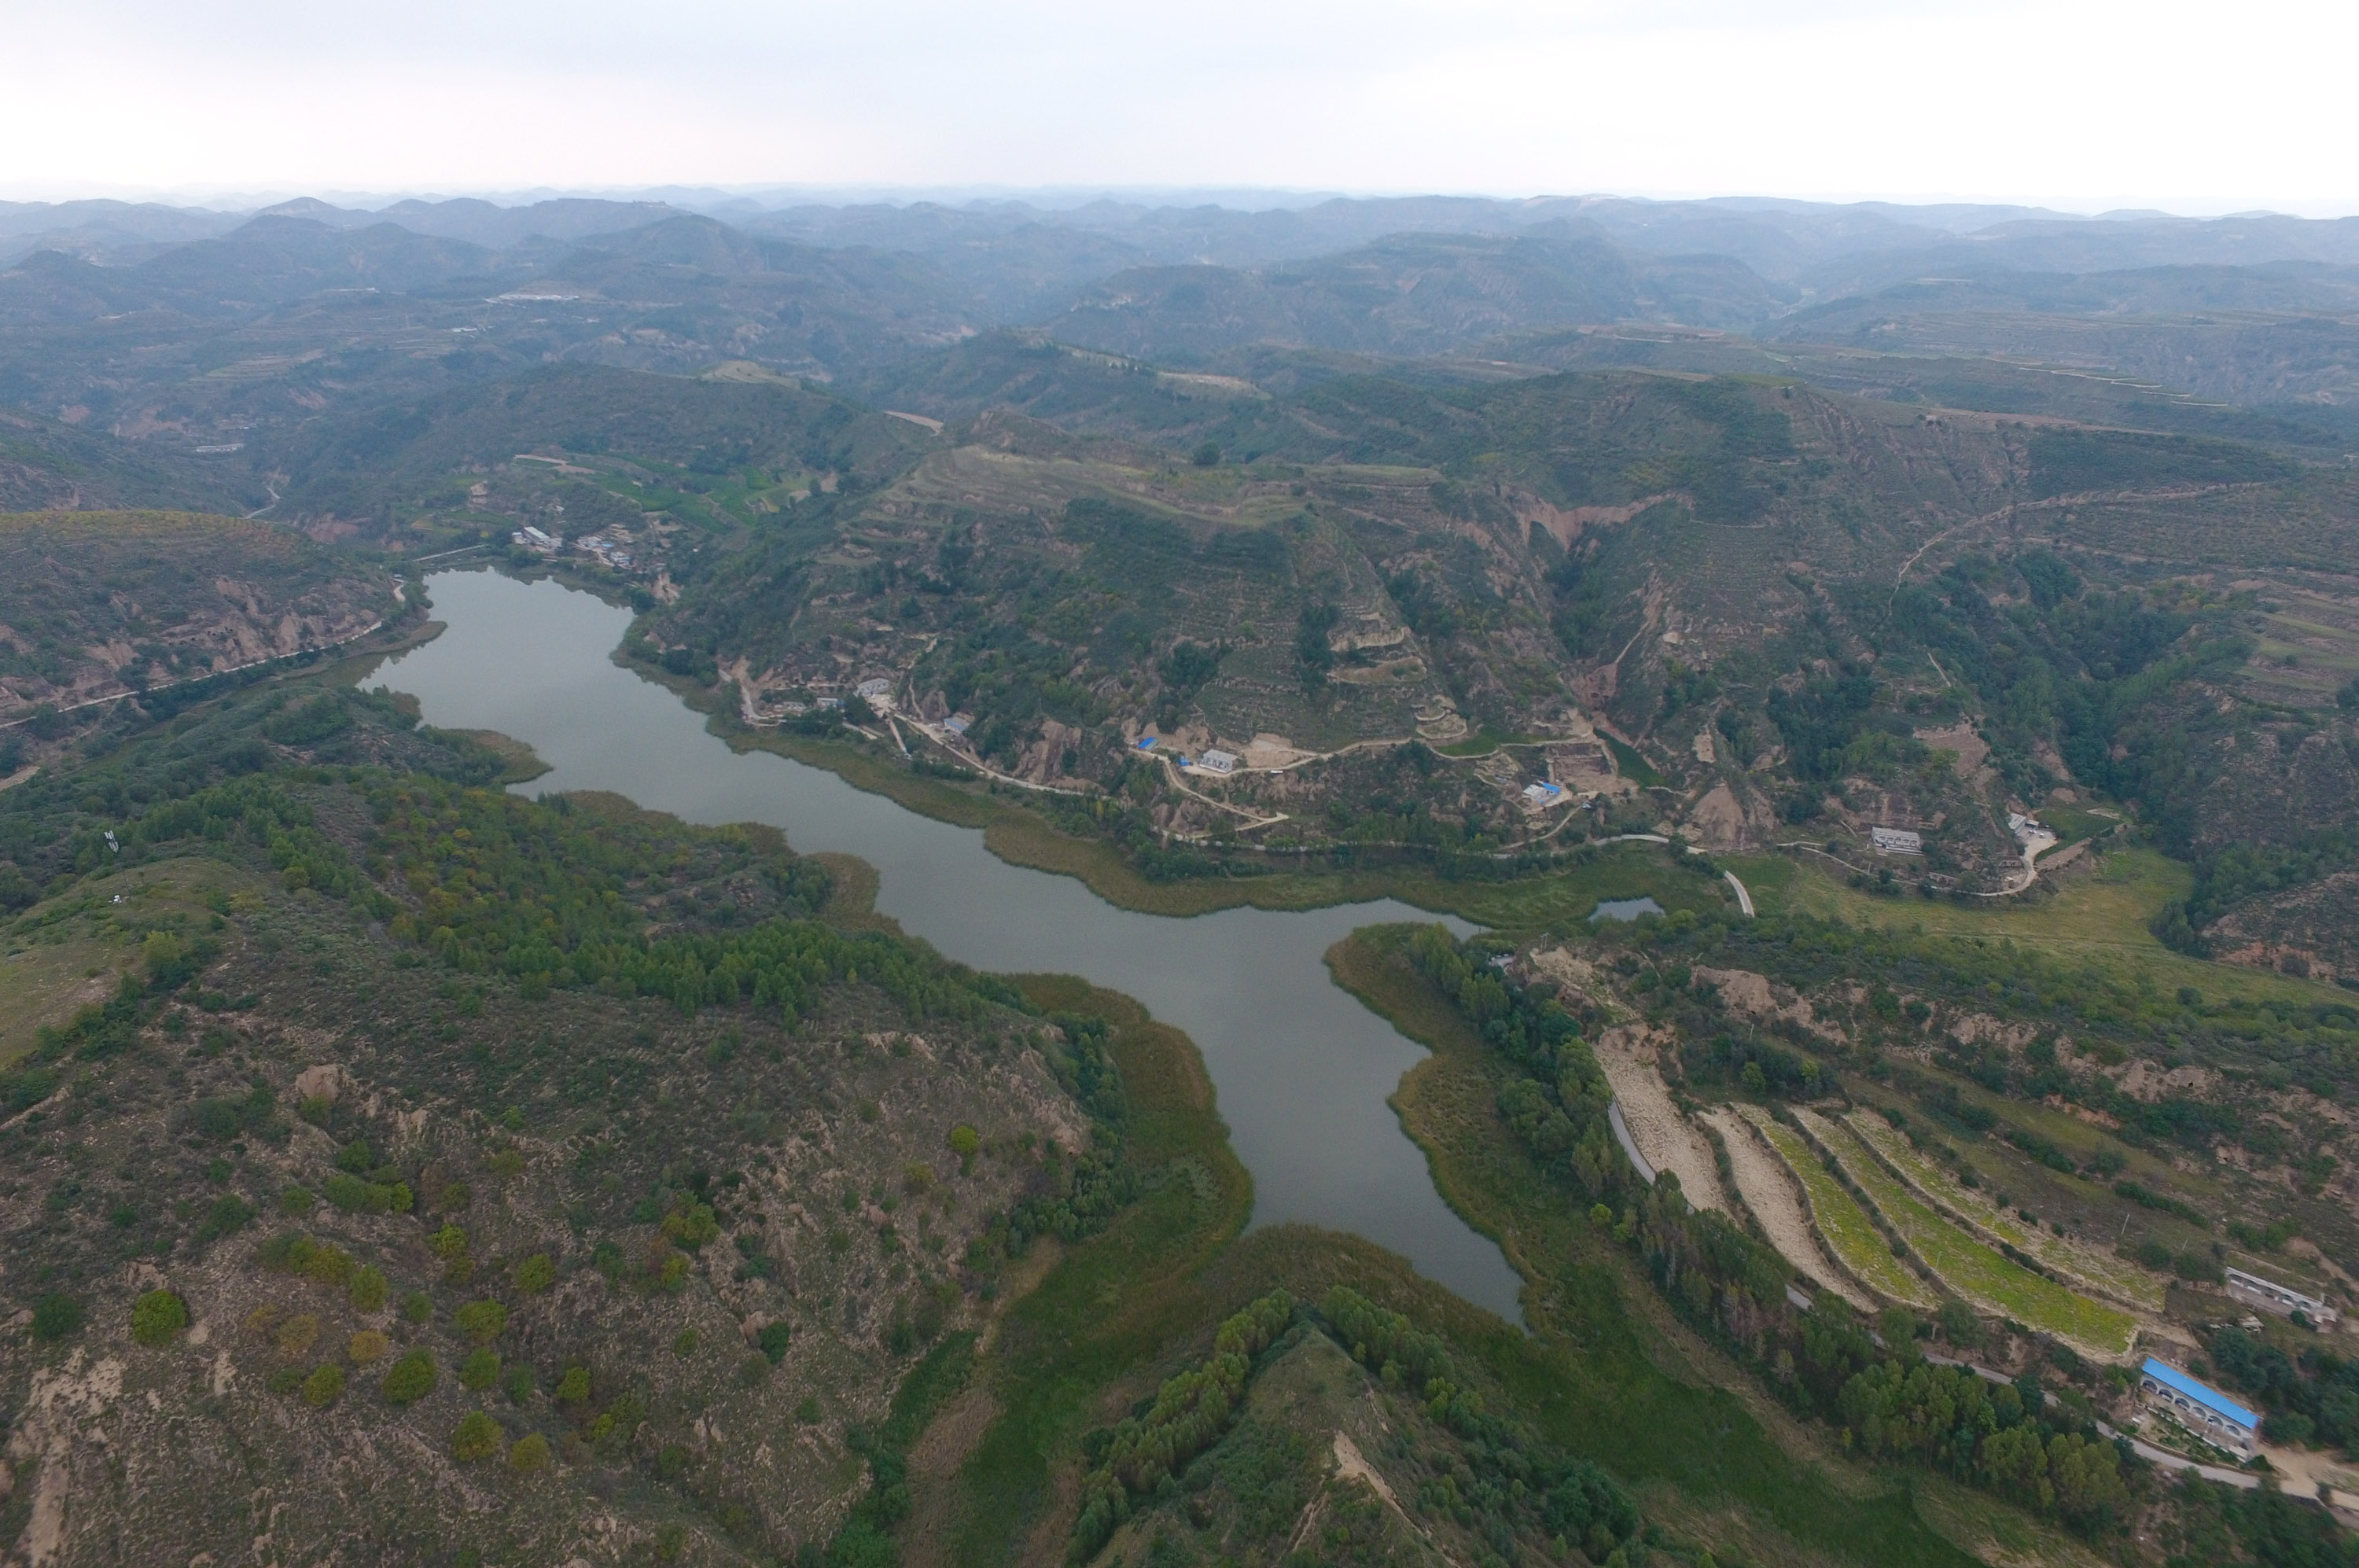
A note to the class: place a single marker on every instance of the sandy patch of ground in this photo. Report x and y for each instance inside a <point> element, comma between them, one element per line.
<point>1662,1135</point>
<point>1965,745</point>
<point>1768,1191</point>
<point>1267,751</point>
<point>1718,820</point>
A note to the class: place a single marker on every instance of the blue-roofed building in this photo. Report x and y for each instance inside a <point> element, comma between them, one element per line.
<point>1147,742</point>
<point>2200,1407</point>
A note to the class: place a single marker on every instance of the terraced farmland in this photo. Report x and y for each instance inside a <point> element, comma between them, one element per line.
<point>1849,1233</point>
<point>2113,1277</point>
<point>1966,1266</point>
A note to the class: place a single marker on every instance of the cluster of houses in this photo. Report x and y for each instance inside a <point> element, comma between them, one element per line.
<point>615,552</point>
<point>1212,762</point>
<point>2204,1410</point>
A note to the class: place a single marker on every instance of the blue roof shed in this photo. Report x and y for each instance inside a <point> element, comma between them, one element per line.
<point>2210,1398</point>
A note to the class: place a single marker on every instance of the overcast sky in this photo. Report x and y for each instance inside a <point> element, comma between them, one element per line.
<point>2105,102</point>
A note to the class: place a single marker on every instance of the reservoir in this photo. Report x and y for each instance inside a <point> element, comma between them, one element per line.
<point>1303,1070</point>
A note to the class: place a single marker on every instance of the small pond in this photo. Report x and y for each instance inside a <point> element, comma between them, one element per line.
<point>1625,909</point>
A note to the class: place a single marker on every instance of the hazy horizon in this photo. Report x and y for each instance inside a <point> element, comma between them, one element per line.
<point>2094,107</point>
<point>773,196</point>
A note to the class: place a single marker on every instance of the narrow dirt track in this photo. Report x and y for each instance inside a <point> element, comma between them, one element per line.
<point>1662,1135</point>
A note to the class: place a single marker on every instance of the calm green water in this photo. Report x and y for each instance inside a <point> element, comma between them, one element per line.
<point>1303,1070</point>
<point>1625,909</point>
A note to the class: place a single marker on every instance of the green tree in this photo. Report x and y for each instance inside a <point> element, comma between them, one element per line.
<point>478,1437</point>
<point>1960,1324</point>
<point>774,1337</point>
<point>2088,1476</point>
<point>325,1387</point>
<point>370,1289</point>
<point>530,1454</point>
<point>55,1316</point>
<point>2014,1463</point>
<point>691,1226</point>
<point>409,1379</point>
<point>966,1143</point>
<point>158,1318</point>
<point>536,1274</point>
<point>573,1388</point>
<point>480,1370</point>
<point>482,1321</point>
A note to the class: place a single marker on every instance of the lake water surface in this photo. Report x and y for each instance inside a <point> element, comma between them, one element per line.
<point>1303,1070</point>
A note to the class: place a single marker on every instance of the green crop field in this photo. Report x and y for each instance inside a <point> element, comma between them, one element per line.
<point>2115,1276</point>
<point>1850,1235</point>
<point>1969,1267</point>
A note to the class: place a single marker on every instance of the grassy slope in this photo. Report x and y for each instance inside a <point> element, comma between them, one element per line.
<point>1108,1308</point>
<point>47,973</point>
<point>1607,1371</point>
<point>2097,918</point>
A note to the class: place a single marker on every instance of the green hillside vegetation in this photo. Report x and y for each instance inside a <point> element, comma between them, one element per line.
<point>95,605</point>
<point>395,464</point>
<point>785,1175</point>
<point>1796,612</point>
<point>1498,1043</point>
<point>49,466</point>
<point>379,1138</point>
<point>326,1101</point>
<point>249,1122</point>
<point>2084,1267</point>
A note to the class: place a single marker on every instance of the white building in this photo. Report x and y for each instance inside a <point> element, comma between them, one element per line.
<point>2200,1407</point>
<point>1217,761</point>
<point>870,690</point>
<point>1542,794</point>
<point>1895,841</point>
<point>2282,1299</point>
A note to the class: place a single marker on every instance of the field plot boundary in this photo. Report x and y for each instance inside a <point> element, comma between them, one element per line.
<point>2131,1287</point>
<point>1967,1266</point>
<point>1783,1209</point>
<point>1867,1258</point>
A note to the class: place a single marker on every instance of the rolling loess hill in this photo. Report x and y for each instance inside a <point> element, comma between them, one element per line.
<point>97,604</point>
<point>422,1137</point>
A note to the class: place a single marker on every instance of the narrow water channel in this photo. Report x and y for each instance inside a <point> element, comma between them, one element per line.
<point>1302,1070</point>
